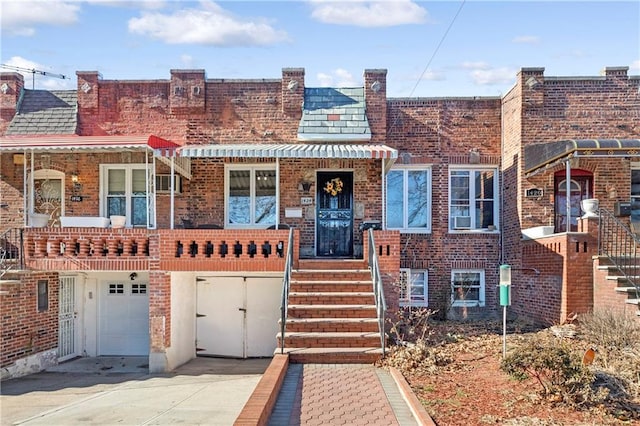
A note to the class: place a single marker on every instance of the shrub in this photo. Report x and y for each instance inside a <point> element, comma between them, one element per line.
<point>555,367</point>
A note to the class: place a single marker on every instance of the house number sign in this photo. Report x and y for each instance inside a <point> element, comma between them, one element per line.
<point>534,193</point>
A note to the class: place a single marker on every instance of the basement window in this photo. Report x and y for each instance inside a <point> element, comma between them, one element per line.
<point>43,295</point>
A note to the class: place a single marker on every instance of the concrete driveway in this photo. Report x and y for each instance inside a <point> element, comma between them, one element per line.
<point>119,391</point>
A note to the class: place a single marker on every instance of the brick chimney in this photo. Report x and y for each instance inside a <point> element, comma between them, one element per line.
<point>375,94</point>
<point>187,91</point>
<point>292,91</point>
<point>11,86</point>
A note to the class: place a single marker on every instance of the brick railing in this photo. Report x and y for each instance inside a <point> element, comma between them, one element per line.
<point>143,249</point>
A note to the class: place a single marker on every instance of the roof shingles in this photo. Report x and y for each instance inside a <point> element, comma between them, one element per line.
<point>43,112</point>
<point>332,114</point>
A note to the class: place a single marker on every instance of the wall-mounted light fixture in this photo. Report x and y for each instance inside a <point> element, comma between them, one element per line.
<point>133,276</point>
<point>74,177</point>
<point>304,186</point>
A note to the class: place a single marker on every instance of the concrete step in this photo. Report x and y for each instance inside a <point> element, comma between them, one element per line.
<point>332,286</point>
<point>628,290</point>
<point>330,275</point>
<point>333,355</point>
<point>331,298</point>
<point>347,339</point>
<point>332,324</point>
<point>633,302</point>
<point>332,311</point>
<point>332,264</point>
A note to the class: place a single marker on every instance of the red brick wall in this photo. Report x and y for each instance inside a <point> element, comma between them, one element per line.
<point>25,331</point>
<point>9,100</point>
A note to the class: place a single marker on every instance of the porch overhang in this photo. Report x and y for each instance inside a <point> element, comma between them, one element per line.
<point>162,148</point>
<point>540,157</point>
<point>342,151</point>
<point>67,143</point>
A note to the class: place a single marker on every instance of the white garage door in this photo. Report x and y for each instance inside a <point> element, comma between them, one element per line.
<point>237,316</point>
<point>124,319</point>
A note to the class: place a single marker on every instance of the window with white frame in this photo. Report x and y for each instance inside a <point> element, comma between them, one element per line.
<point>413,287</point>
<point>467,287</point>
<point>251,196</point>
<point>125,192</point>
<point>635,192</point>
<point>473,203</point>
<point>408,199</point>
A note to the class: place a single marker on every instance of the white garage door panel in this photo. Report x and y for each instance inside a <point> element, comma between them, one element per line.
<point>124,320</point>
<point>237,317</point>
<point>220,320</point>
<point>263,313</point>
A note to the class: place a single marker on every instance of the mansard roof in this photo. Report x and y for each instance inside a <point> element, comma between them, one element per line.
<point>44,112</point>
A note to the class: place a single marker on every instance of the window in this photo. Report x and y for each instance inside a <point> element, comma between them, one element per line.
<point>413,287</point>
<point>138,289</point>
<point>163,183</point>
<point>467,287</point>
<point>408,196</point>
<point>635,192</point>
<point>472,199</point>
<point>125,192</point>
<point>250,196</point>
<point>43,295</point>
<point>116,288</point>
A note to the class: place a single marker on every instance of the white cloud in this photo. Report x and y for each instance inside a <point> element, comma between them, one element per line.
<point>493,76</point>
<point>476,65</point>
<point>362,13</point>
<point>186,60</point>
<point>526,39</point>
<point>208,25</point>
<point>337,78</point>
<point>635,65</point>
<point>131,4</point>
<point>41,81</point>
<point>22,17</point>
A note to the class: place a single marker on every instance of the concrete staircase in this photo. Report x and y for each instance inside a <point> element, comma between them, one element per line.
<point>331,314</point>
<point>625,291</point>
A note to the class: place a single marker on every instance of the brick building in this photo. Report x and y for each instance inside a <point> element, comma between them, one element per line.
<point>226,188</point>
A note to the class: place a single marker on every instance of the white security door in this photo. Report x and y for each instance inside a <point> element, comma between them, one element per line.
<point>263,313</point>
<point>220,316</point>
<point>124,319</point>
<point>67,318</point>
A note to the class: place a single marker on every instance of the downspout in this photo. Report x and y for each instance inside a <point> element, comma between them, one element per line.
<point>171,204</point>
<point>567,185</point>
<point>383,198</point>
<point>502,259</point>
<point>277,192</point>
<point>25,188</point>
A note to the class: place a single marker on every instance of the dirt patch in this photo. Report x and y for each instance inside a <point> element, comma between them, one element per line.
<point>459,381</point>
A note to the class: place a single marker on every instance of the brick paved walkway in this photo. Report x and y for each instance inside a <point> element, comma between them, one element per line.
<point>339,394</point>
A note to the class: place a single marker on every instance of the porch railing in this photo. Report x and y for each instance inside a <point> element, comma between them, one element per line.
<point>11,250</point>
<point>286,285</point>
<point>378,290</point>
<point>620,246</point>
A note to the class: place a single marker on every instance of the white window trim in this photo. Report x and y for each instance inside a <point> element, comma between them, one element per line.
<point>496,200</point>
<point>405,199</point>
<point>481,293</point>
<point>177,179</point>
<point>408,301</point>
<point>104,184</point>
<point>253,168</point>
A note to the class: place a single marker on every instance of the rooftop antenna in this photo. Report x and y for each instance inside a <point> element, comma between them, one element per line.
<point>33,72</point>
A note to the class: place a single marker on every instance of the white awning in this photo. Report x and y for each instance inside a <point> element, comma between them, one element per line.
<point>363,151</point>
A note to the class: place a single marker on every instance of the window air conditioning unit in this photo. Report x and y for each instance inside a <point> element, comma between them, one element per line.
<point>462,222</point>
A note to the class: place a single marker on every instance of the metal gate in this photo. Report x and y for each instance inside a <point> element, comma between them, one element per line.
<point>67,318</point>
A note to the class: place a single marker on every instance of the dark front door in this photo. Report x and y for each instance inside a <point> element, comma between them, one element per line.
<point>335,214</point>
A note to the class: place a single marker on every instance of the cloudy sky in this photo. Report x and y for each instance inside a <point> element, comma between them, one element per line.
<point>441,48</point>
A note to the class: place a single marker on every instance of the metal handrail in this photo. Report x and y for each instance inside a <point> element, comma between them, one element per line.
<point>11,250</point>
<point>286,285</point>
<point>620,245</point>
<point>378,290</point>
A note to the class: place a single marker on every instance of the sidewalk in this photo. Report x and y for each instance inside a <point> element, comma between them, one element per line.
<point>109,391</point>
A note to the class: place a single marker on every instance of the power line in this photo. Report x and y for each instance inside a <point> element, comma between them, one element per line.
<point>433,55</point>
<point>33,72</point>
